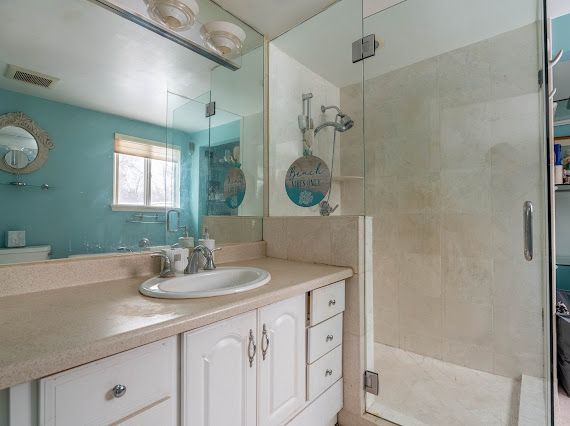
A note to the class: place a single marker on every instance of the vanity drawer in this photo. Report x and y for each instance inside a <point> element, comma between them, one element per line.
<point>326,302</point>
<point>324,372</point>
<point>84,395</point>
<point>323,337</point>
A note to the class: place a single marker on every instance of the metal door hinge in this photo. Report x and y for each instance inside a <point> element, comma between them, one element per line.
<point>210,109</point>
<point>540,78</point>
<point>364,48</point>
<point>371,382</point>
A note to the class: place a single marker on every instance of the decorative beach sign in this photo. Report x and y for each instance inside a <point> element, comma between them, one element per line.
<point>234,187</point>
<point>307,181</point>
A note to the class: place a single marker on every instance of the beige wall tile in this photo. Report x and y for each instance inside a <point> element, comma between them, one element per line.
<point>346,234</point>
<point>308,240</point>
<point>420,274</point>
<point>466,235</point>
<point>419,315</point>
<point>386,326</point>
<point>419,233</point>
<point>416,342</point>
<point>465,137</point>
<point>354,301</point>
<point>417,194</point>
<point>471,323</point>
<point>275,234</point>
<point>467,279</point>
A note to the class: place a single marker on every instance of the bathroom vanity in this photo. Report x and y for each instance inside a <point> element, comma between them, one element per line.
<point>272,356</point>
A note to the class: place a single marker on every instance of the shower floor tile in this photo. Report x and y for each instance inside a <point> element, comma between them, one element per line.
<point>418,390</point>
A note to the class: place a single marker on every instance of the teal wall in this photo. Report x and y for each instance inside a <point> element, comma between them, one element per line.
<point>75,216</point>
<point>561,35</point>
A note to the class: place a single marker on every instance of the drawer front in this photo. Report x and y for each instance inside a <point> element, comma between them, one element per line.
<point>324,372</point>
<point>323,338</point>
<point>84,395</point>
<point>163,413</point>
<point>327,302</point>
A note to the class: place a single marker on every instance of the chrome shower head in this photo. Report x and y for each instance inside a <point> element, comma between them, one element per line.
<point>345,123</point>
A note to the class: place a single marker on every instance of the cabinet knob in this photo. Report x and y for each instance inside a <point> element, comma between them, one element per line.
<point>328,372</point>
<point>119,390</point>
<point>330,337</point>
<point>332,302</point>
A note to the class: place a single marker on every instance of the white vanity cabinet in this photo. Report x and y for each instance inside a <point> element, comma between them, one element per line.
<point>219,373</point>
<point>278,365</point>
<point>247,370</point>
<point>133,387</point>
<point>281,361</point>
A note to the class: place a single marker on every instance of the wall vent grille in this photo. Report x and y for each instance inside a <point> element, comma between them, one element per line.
<point>30,77</point>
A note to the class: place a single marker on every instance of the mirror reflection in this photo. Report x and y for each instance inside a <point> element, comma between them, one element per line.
<point>17,146</point>
<point>137,165</point>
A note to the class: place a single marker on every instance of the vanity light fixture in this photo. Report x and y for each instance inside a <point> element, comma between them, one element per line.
<point>177,15</point>
<point>223,37</point>
<point>171,20</point>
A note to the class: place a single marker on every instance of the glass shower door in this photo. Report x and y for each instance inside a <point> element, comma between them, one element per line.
<point>457,318</point>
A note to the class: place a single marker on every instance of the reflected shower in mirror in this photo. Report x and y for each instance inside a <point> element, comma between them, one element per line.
<point>130,162</point>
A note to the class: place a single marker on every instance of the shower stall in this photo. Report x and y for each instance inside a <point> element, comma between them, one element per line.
<point>447,159</point>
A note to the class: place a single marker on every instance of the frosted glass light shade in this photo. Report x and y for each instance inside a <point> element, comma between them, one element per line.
<point>178,15</point>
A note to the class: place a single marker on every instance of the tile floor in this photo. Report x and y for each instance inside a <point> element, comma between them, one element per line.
<point>418,390</point>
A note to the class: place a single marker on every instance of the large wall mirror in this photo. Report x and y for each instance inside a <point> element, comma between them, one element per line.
<point>133,140</point>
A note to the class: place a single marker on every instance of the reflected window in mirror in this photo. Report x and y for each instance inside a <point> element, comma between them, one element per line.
<point>146,174</point>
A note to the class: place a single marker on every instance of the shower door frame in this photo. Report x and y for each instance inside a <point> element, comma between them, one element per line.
<point>547,147</point>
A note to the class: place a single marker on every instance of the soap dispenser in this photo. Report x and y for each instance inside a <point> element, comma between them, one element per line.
<point>206,241</point>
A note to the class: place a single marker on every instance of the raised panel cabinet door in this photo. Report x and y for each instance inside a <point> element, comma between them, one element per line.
<point>281,361</point>
<point>219,373</point>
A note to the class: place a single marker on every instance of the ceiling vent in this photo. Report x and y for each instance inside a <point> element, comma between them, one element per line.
<point>14,72</point>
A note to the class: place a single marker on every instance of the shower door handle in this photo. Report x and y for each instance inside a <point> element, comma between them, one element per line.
<point>528,210</point>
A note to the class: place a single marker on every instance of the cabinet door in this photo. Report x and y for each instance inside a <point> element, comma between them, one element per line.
<point>218,380</point>
<point>281,361</point>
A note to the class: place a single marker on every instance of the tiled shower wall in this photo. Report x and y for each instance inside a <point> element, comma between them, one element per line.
<point>288,80</point>
<point>452,150</point>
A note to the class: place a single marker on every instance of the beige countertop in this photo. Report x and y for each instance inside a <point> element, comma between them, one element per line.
<point>46,332</point>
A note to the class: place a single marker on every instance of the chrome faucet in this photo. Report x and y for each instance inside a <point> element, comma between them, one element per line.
<point>165,266</point>
<point>194,257</point>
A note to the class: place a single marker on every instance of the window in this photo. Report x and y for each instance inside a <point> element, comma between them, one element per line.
<point>146,174</point>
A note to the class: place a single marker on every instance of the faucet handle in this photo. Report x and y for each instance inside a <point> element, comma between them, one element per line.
<point>210,264</point>
<point>166,264</point>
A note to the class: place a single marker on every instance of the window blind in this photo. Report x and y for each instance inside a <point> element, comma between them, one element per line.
<point>131,145</point>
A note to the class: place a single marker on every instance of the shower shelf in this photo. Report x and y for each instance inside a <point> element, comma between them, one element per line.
<point>350,178</point>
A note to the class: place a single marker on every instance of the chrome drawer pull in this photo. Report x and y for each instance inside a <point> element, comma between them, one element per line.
<point>119,390</point>
<point>330,337</point>
<point>264,342</point>
<point>328,372</point>
<point>251,348</point>
<point>332,302</point>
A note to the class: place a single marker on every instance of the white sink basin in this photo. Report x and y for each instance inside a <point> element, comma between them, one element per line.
<point>206,284</point>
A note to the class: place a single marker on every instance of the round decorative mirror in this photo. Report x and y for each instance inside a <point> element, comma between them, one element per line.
<point>24,146</point>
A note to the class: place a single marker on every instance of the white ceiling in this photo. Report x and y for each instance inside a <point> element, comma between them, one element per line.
<point>107,63</point>
<point>559,8</point>
<point>323,44</point>
<point>274,17</point>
